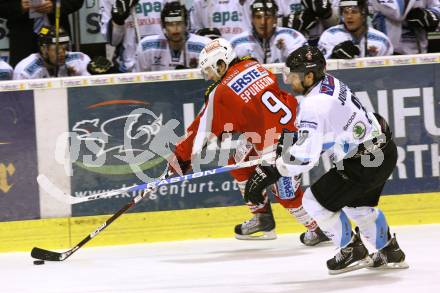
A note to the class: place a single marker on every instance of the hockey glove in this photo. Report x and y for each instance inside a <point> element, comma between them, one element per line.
<point>423,18</point>
<point>209,32</point>
<point>262,177</point>
<point>176,167</point>
<point>99,65</point>
<point>300,20</point>
<point>345,50</point>
<point>121,10</point>
<point>321,8</point>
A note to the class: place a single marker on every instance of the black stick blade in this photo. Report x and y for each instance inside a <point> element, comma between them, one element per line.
<point>48,255</point>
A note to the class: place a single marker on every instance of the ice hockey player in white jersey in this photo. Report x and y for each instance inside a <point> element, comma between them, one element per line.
<point>348,40</point>
<point>176,48</point>
<point>310,17</point>
<point>332,119</point>
<point>266,42</point>
<point>229,16</point>
<point>407,23</point>
<point>5,70</point>
<point>125,22</point>
<point>46,63</point>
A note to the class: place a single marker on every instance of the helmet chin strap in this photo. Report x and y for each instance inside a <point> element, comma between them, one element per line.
<point>308,88</point>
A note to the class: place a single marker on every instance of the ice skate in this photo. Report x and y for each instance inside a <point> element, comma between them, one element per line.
<point>389,257</point>
<point>312,238</point>
<point>260,227</point>
<point>352,257</point>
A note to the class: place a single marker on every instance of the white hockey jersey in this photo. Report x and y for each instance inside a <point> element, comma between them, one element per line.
<point>32,67</point>
<point>330,119</point>
<point>389,18</point>
<point>229,16</point>
<point>283,42</point>
<point>378,43</point>
<point>5,71</point>
<point>143,21</point>
<point>155,54</point>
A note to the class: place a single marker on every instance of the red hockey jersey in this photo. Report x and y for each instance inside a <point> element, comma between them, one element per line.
<point>248,101</point>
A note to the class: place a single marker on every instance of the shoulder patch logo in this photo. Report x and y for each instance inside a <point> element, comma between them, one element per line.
<point>359,130</point>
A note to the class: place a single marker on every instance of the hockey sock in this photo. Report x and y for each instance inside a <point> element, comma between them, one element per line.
<point>372,224</point>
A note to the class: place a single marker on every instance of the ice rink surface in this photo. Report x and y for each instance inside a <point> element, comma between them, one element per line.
<point>223,265</point>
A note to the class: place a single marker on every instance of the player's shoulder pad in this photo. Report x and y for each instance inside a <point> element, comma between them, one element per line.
<point>153,42</point>
<point>286,31</point>
<point>72,56</point>
<point>377,36</point>
<point>244,58</point>
<point>241,39</point>
<point>196,43</point>
<point>335,29</point>
<point>34,65</point>
<point>210,88</point>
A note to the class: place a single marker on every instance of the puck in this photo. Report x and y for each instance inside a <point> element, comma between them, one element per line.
<point>38,262</point>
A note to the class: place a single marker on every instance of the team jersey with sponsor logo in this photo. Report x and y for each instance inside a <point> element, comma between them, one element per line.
<point>5,70</point>
<point>231,17</point>
<point>378,43</point>
<point>274,50</point>
<point>125,37</point>
<point>330,118</point>
<point>155,54</point>
<point>390,18</point>
<point>33,66</point>
<point>246,101</point>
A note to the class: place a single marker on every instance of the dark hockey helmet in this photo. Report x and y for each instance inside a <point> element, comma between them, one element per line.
<point>266,6</point>
<point>304,60</point>
<point>362,4</point>
<point>173,12</point>
<point>47,36</point>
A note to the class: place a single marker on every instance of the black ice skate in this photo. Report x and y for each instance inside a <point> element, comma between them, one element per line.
<point>352,257</point>
<point>260,227</point>
<point>312,238</point>
<point>389,257</point>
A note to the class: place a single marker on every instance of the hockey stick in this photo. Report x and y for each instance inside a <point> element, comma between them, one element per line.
<point>49,255</point>
<point>57,35</point>
<point>58,194</point>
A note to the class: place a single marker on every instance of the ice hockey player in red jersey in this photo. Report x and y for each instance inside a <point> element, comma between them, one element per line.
<point>245,99</point>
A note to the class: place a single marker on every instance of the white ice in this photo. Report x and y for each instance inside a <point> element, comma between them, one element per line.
<point>223,265</point>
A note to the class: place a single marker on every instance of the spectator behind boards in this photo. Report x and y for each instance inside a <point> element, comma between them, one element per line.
<point>23,30</point>
<point>176,48</point>
<point>47,63</point>
<point>310,17</point>
<point>348,40</point>
<point>407,26</point>
<point>265,41</point>
<point>230,17</point>
<point>125,22</point>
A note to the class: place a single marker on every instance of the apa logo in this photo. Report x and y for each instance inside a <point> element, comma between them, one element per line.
<point>224,16</point>
<point>146,7</point>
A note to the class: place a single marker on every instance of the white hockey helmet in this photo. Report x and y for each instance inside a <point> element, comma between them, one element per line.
<point>212,53</point>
